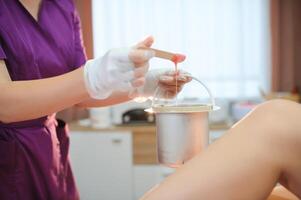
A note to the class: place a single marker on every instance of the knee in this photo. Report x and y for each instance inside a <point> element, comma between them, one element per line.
<point>280,112</point>
<point>282,118</point>
<point>275,104</point>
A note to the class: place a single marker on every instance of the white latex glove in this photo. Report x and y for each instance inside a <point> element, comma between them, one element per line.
<point>118,70</point>
<point>165,80</point>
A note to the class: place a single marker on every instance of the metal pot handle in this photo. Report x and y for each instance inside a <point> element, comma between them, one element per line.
<point>212,100</point>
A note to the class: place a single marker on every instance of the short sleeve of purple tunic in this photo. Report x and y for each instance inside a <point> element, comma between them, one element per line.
<point>48,47</point>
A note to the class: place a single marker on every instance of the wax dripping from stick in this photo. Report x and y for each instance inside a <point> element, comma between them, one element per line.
<point>176,59</point>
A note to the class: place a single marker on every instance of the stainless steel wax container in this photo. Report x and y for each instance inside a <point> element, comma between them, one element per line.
<point>182,130</point>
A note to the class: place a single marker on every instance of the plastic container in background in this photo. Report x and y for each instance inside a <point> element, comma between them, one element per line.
<point>241,109</point>
<point>100,117</point>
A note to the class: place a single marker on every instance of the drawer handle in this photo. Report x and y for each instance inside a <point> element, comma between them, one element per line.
<point>116,141</point>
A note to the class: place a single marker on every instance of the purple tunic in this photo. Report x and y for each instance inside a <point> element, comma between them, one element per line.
<point>34,161</point>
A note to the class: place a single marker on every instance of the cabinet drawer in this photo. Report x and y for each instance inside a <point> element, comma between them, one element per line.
<point>102,164</point>
<point>144,147</point>
<point>147,176</point>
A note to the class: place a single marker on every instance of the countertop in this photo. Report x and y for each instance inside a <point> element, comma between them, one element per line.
<point>143,136</point>
<point>74,126</point>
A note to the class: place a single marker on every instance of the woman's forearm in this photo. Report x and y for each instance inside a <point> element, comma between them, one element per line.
<point>24,100</point>
<point>115,98</point>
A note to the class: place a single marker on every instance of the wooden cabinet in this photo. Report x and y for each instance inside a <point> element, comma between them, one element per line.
<point>117,162</point>
<point>102,164</point>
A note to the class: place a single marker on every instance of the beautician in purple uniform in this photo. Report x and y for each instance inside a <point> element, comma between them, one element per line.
<point>41,55</point>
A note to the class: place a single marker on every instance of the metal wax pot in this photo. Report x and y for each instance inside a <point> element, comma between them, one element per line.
<point>182,129</point>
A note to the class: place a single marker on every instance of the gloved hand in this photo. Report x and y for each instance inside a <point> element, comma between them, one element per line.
<point>118,70</point>
<point>166,80</point>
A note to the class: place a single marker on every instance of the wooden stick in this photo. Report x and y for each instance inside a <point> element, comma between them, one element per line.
<point>163,54</point>
<point>167,55</point>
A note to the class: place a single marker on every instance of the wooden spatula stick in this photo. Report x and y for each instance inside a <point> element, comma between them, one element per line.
<point>174,57</point>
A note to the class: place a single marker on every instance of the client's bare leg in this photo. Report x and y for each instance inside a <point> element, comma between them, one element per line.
<point>246,163</point>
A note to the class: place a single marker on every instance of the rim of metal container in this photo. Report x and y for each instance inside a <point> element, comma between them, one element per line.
<point>182,108</point>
